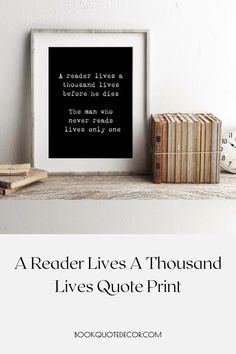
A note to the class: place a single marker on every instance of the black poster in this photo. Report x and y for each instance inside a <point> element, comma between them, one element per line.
<point>90,102</point>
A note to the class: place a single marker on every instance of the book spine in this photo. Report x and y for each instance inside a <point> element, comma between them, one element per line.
<point>190,153</point>
<point>202,162</point>
<point>156,153</point>
<point>178,150</point>
<point>197,139</point>
<point>216,145</point>
<point>207,174</point>
<point>184,152</point>
<point>158,143</point>
<point>213,151</point>
<point>152,147</point>
<point>13,172</point>
<point>169,157</point>
<point>219,129</point>
<point>25,166</point>
<point>171,150</point>
<point>164,159</point>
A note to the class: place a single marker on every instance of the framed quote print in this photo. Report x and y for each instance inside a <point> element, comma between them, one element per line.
<point>89,100</point>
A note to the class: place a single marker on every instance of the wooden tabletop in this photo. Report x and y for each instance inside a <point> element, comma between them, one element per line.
<point>122,188</point>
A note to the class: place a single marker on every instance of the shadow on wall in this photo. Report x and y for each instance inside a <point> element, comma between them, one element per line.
<point>23,139</point>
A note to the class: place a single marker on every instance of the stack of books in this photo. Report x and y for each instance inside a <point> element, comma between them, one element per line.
<point>13,177</point>
<point>186,148</point>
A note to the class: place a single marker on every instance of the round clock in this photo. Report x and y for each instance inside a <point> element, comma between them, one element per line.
<point>228,151</point>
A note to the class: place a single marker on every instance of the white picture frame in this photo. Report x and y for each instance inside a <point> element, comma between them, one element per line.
<point>41,41</point>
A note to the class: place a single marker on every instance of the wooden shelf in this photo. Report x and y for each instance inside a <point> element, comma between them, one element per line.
<point>122,188</point>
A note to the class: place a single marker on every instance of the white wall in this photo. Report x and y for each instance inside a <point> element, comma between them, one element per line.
<point>193,55</point>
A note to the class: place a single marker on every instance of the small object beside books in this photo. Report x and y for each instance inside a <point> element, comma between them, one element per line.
<point>186,148</point>
<point>228,150</point>
<point>11,183</point>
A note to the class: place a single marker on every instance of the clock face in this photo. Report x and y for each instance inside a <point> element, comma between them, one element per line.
<point>228,151</point>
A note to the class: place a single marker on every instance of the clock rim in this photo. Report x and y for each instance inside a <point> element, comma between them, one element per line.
<point>225,131</point>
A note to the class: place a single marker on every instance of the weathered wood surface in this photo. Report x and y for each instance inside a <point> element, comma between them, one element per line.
<point>122,188</point>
